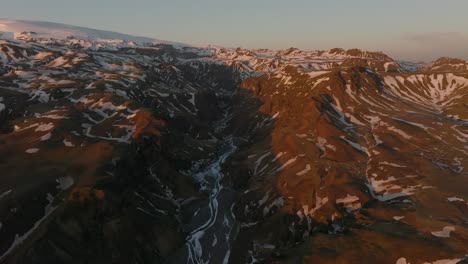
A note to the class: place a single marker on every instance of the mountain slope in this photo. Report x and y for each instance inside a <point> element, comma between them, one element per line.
<point>386,158</point>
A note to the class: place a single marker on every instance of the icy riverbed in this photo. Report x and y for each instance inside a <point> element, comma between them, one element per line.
<point>210,241</point>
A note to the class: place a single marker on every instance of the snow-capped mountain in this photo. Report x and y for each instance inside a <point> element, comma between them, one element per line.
<point>72,35</point>
<point>120,149</point>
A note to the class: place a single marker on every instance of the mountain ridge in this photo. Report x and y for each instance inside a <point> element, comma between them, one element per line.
<point>14,28</point>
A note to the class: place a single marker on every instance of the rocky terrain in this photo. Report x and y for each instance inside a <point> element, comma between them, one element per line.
<point>121,149</point>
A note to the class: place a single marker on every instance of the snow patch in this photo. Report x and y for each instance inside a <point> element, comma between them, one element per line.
<point>44,127</point>
<point>68,143</point>
<point>46,137</point>
<point>32,150</point>
<point>455,199</point>
<point>65,182</point>
<point>444,233</point>
<point>307,169</point>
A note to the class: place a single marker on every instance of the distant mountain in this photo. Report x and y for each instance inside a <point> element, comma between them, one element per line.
<point>448,65</point>
<point>120,149</point>
<point>22,29</point>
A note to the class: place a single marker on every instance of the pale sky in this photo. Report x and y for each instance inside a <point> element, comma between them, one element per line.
<point>404,29</point>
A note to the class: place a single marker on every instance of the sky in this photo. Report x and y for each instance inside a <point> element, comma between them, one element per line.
<point>404,29</point>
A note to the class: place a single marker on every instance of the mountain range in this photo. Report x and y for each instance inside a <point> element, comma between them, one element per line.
<point>122,149</point>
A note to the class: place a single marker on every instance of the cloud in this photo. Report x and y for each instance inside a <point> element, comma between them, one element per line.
<point>429,46</point>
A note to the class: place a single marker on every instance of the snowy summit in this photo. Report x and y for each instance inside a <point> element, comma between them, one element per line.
<point>22,29</point>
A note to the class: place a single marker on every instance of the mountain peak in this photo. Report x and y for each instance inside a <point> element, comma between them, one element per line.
<point>445,60</point>
<point>448,64</point>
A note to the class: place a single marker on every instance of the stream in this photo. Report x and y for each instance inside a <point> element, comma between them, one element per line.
<point>210,242</point>
<point>212,226</point>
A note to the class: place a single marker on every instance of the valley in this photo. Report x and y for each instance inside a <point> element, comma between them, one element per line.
<point>145,151</point>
